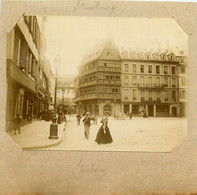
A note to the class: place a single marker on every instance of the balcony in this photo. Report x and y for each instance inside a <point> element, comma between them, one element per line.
<point>151,100</point>
<point>116,82</point>
<point>110,69</point>
<point>151,86</point>
<point>87,83</point>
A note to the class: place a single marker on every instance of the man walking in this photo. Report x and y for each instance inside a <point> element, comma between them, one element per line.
<point>78,119</point>
<point>86,122</point>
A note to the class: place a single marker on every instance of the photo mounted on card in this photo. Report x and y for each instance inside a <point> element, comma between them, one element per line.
<point>97,83</point>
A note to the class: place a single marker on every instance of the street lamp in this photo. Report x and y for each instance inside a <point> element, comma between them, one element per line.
<point>54,126</point>
<point>63,92</point>
<point>56,65</point>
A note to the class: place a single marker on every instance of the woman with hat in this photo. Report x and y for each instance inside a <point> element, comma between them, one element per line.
<point>86,122</point>
<point>103,135</point>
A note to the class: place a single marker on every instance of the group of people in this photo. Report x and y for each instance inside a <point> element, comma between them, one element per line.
<point>103,135</point>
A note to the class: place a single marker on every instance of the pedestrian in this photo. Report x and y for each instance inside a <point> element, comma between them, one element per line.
<point>130,115</point>
<point>78,119</point>
<point>86,122</point>
<point>103,136</point>
<point>95,119</point>
<point>17,124</point>
<point>145,114</point>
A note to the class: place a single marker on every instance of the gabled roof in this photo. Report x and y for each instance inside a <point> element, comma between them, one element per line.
<point>99,52</point>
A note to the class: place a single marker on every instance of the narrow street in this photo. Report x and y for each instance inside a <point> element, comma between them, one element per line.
<point>138,134</point>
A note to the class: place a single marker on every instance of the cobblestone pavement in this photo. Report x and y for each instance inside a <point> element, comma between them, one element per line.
<point>138,134</point>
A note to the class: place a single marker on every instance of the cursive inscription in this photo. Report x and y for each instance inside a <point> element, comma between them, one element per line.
<point>89,169</point>
<point>94,5</point>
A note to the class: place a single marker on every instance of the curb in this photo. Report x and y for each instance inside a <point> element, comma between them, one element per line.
<point>49,145</point>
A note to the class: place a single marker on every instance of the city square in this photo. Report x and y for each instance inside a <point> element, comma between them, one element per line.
<point>138,134</point>
<point>136,87</point>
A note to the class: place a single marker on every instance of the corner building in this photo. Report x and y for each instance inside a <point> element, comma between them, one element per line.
<point>99,82</point>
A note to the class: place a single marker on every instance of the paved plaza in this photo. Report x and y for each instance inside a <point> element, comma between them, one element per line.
<point>138,134</point>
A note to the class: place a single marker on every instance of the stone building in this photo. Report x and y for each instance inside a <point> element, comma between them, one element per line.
<point>65,92</point>
<point>150,82</point>
<point>99,82</point>
<point>130,81</point>
<point>27,83</point>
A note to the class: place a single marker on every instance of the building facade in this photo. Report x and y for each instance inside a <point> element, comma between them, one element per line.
<point>99,82</point>
<point>150,81</point>
<point>65,92</point>
<point>27,83</point>
<point>131,81</point>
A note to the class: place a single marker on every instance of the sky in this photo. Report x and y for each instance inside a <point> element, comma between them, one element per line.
<point>72,37</point>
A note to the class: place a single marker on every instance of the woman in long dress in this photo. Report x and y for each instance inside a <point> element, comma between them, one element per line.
<point>103,135</point>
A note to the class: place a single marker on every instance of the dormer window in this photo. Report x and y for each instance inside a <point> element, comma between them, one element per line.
<point>140,55</point>
<point>163,56</point>
<point>107,52</point>
<point>147,56</point>
<point>171,56</point>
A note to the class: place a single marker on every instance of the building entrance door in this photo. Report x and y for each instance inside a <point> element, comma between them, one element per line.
<point>150,110</point>
<point>126,109</point>
<point>174,111</point>
<point>135,109</point>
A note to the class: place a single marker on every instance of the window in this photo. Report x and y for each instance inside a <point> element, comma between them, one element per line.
<point>134,68</point>
<point>183,82</point>
<point>182,94</point>
<point>157,69</point>
<point>142,95</point>
<point>165,95</point>
<point>17,45</point>
<point>166,81</point>
<point>105,64</point>
<point>68,91</point>
<point>158,95</point>
<point>182,70</point>
<point>173,82</point>
<point>126,68</point>
<point>150,69</point>
<point>150,80</point>
<point>173,95</point>
<point>150,94</point>
<point>148,56</point>
<point>163,57</point>
<point>19,102</point>
<point>134,94</point>
<point>126,80</point>
<point>126,94</point>
<point>165,70</point>
<point>173,70</point>
<point>142,68</point>
<point>157,81</point>
<point>134,80</point>
<point>30,64</point>
<point>115,90</point>
<point>141,81</point>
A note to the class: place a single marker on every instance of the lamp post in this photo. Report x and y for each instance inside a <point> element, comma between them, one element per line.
<point>56,64</point>
<point>54,125</point>
<point>63,92</point>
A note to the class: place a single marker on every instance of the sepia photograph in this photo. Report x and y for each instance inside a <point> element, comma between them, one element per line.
<point>97,83</point>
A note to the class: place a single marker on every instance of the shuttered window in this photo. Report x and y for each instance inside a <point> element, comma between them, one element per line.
<point>17,43</point>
